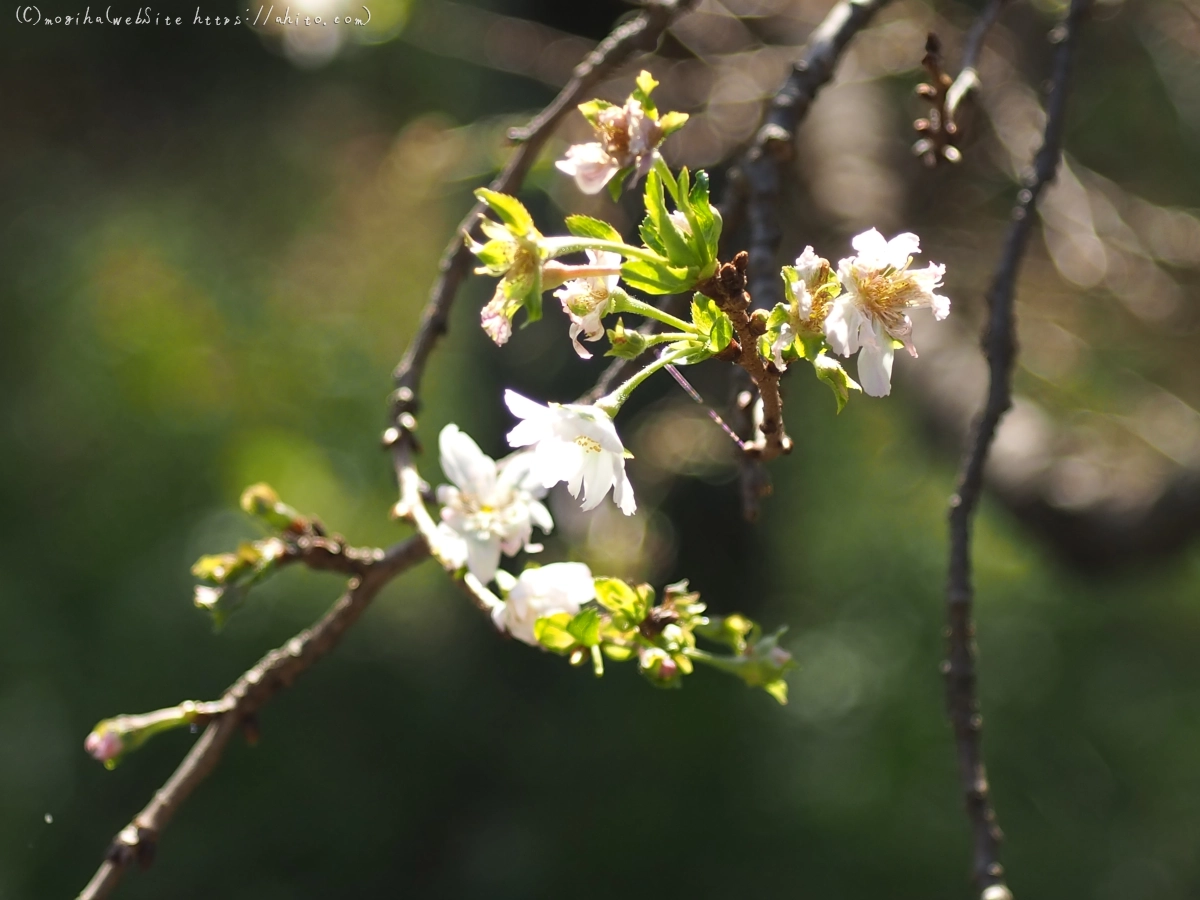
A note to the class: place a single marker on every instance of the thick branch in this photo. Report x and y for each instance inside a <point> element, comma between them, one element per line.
<point>237,707</point>
<point>999,344</point>
<point>767,159</point>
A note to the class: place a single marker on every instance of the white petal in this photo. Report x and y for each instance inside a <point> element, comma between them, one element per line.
<point>941,307</point>
<point>843,326</point>
<point>598,477</point>
<point>483,558</point>
<point>623,492</point>
<point>464,463</point>
<point>870,244</point>
<point>901,249</point>
<point>875,369</point>
<point>541,516</point>
<point>522,407</point>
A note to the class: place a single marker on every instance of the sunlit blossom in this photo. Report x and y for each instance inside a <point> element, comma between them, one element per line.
<point>880,289</point>
<point>576,444</point>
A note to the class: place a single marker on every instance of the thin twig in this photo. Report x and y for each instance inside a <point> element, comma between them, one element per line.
<point>968,75</point>
<point>941,130</point>
<point>237,707</point>
<point>999,344</point>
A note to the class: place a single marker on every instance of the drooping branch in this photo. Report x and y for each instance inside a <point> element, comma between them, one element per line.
<point>277,670</point>
<point>239,705</point>
<point>999,345</point>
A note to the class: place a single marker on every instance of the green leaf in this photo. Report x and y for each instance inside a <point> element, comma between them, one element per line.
<point>645,87</point>
<point>616,184</point>
<point>811,346</point>
<point>678,251</point>
<point>777,689</point>
<point>585,627</point>
<point>510,210</point>
<point>706,219</point>
<point>721,334</point>
<point>657,278</point>
<point>830,371</point>
<point>587,227</point>
<point>778,317</point>
<point>672,122</point>
<point>622,600</point>
<point>617,652</point>
<point>650,236</point>
<point>704,312</point>
<point>592,109</point>
<point>551,632</point>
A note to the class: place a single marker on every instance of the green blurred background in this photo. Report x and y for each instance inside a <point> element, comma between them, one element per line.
<point>214,245</point>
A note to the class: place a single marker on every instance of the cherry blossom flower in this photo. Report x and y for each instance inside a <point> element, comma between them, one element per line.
<point>576,444</point>
<point>810,287</point>
<point>545,591</point>
<point>491,508</point>
<point>588,300</point>
<point>880,289</point>
<point>628,139</point>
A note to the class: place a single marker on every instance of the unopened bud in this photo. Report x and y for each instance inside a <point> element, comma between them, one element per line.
<point>104,744</point>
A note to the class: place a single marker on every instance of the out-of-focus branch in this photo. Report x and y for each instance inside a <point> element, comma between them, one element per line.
<point>999,344</point>
<point>639,33</point>
<point>758,184</point>
<point>237,708</point>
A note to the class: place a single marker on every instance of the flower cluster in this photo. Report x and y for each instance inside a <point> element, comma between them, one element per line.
<point>862,309</point>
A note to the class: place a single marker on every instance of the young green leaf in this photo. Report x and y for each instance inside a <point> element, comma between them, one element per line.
<point>510,210</point>
<point>587,227</point>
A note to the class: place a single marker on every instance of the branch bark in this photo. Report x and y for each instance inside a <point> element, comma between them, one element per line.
<point>137,841</point>
<point>999,345</point>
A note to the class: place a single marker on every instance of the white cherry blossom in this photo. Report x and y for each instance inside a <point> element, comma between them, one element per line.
<point>880,289</point>
<point>588,300</point>
<point>576,444</point>
<point>490,509</point>
<point>628,138</point>
<point>541,592</point>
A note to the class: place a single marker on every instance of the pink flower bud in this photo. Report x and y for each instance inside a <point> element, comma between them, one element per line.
<point>104,745</point>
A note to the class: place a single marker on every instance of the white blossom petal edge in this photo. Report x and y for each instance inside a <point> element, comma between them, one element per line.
<point>576,444</point>
<point>588,300</point>
<point>490,509</point>
<point>556,588</point>
<point>880,288</point>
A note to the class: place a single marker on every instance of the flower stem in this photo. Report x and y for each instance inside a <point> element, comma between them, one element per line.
<point>613,401</point>
<point>564,245</point>
<point>630,304</point>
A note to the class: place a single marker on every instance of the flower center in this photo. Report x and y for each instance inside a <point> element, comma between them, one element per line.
<point>588,444</point>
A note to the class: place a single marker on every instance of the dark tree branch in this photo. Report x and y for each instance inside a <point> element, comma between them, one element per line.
<point>999,345</point>
<point>237,708</point>
<point>757,184</point>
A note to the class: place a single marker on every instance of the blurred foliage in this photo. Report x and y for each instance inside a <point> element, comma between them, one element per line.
<point>210,258</point>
